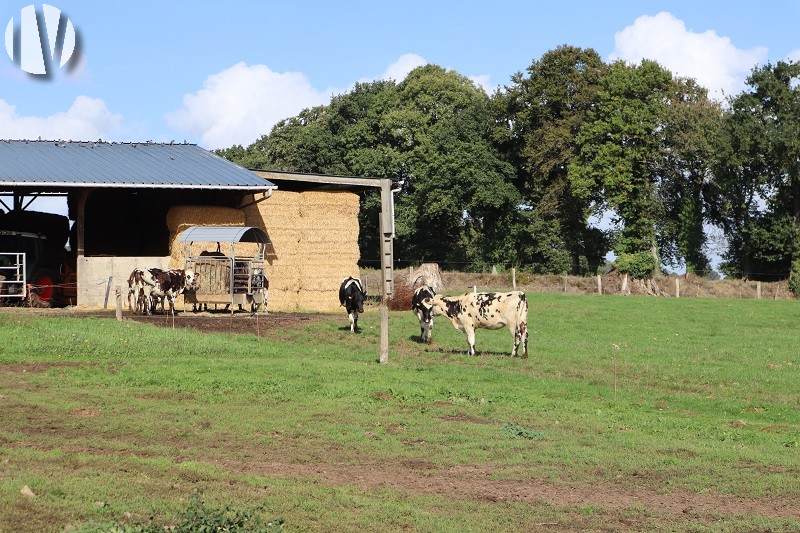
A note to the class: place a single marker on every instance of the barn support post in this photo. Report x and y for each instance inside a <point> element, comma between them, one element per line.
<point>386,227</point>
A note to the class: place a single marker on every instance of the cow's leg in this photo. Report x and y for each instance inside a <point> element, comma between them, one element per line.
<point>426,332</point>
<point>354,321</point>
<point>470,331</point>
<point>516,332</point>
<point>524,333</point>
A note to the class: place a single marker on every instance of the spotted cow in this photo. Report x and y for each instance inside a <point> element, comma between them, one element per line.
<point>351,296</point>
<point>488,310</point>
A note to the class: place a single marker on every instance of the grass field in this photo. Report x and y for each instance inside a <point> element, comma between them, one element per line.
<point>631,413</point>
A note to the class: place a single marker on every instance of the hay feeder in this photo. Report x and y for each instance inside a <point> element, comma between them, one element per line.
<point>223,277</point>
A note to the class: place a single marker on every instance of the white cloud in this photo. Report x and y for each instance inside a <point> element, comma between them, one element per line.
<point>794,55</point>
<point>711,59</point>
<point>398,70</point>
<point>88,119</point>
<point>241,103</point>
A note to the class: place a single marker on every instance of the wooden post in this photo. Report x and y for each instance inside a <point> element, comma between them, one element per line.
<point>108,290</point>
<point>758,290</point>
<point>677,288</point>
<point>599,284</point>
<point>565,284</point>
<point>475,289</point>
<point>118,293</point>
<point>624,289</point>
<point>384,334</point>
<point>514,278</point>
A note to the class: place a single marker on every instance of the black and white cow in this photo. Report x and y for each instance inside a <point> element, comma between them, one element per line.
<point>351,296</point>
<point>169,284</point>
<point>488,310</point>
<point>421,305</point>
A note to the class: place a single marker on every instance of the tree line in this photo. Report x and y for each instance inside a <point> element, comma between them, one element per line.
<point>520,177</point>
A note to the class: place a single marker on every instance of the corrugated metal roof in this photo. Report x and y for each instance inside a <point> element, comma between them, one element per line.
<point>223,234</point>
<point>126,165</point>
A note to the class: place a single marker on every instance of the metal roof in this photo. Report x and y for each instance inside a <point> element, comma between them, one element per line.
<point>66,164</point>
<point>223,234</point>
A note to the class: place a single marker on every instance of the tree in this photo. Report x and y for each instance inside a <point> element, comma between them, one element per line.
<point>757,174</point>
<point>691,122</point>
<point>540,117</point>
<point>620,150</point>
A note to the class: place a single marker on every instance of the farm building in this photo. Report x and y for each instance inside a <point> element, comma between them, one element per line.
<point>130,203</point>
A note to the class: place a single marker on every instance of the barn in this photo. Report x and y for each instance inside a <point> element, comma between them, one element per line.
<point>128,204</point>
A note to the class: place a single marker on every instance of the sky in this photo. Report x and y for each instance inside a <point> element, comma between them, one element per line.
<point>223,73</point>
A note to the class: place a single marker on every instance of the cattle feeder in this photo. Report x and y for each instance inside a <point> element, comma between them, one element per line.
<point>233,276</point>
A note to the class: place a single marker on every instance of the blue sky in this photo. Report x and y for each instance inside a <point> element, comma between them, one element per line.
<point>219,74</point>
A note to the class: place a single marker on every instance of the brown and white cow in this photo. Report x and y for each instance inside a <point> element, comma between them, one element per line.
<point>147,288</point>
<point>140,284</point>
<point>488,310</point>
<point>169,284</point>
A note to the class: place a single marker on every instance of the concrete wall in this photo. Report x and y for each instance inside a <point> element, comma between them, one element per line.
<point>93,274</point>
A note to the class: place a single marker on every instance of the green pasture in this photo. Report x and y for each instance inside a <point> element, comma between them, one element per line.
<point>117,424</point>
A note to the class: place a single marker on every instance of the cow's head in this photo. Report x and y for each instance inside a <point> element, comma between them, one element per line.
<point>358,299</point>
<point>191,280</point>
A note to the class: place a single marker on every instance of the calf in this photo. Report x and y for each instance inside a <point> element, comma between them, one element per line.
<point>351,296</point>
<point>421,305</point>
<point>489,310</point>
<point>169,284</point>
<point>140,286</point>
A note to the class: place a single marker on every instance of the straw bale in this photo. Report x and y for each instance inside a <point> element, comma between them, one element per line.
<point>283,276</point>
<point>180,217</point>
<point>283,300</point>
<point>323,301</point>
<point>336,207</point>
<point>338,234</point>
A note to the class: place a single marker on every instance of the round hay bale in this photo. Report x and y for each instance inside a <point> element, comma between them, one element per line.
<point>426,274</point>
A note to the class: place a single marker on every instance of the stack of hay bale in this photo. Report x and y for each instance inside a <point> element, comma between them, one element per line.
<point>314,246</point>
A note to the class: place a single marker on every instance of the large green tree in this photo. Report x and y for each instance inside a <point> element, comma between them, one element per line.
<point>691,121</point>
<point>540,117</point>
<point>757,174</point>
<point>620,151</point>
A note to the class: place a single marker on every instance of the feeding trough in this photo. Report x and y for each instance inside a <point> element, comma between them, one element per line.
<point>232,273</point>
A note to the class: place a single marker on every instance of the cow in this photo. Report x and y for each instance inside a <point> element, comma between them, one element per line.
<point>421,304</point>
<point>169,284</point>
<point>488,310</point>
<point>140,286</point>
<point>351,296</point>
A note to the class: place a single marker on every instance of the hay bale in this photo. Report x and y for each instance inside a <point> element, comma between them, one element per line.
<point>426,274</point>
<point>180,217</point>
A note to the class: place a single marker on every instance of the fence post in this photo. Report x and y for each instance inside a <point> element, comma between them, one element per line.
<point>565,284</point>
<point>384,357</point>
<point>677,288</point>
<point>514,278</point>
<point>118,293</point>
<point>758,290</point>
<point>108,290</point>
<point>599,284</point>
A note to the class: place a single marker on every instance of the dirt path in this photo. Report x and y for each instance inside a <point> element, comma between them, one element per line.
<point>476,484</point>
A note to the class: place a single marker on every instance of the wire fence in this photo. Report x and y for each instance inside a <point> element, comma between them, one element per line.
<point>611,283</point>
